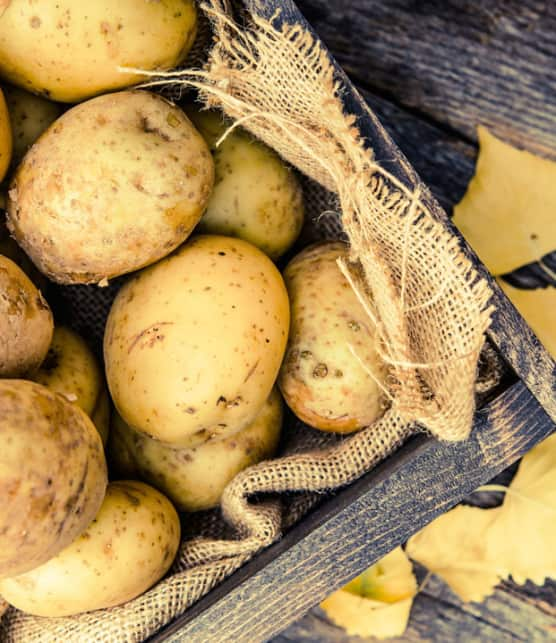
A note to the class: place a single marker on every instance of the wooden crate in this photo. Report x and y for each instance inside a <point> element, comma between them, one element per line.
<point>359,524</point>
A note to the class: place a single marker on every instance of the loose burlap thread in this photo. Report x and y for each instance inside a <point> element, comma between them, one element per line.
<point>429,306</point>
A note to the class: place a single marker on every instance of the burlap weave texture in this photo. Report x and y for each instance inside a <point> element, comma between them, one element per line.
<point>418,287</point>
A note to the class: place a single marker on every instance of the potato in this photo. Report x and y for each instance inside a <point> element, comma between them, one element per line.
<point>6,141</point>
<point>25,322</point>
<point>10,249</point>
<point>101,415</point>
<point>195,478</point>
<point>70,50</point>
<point>126,549</point>
<point>71,369</point>
<point>29,115</point>
<point>126,195</point>
<point>332,375</point>
<point>193,345</point>
<point>256,196</point>
<point>52,474</point>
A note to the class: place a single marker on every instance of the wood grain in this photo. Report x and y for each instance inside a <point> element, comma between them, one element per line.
<point>356,527</point>
<point>361,523</point>
<point>509,332</point>
<point>438,615</point>
<point>456,63</point>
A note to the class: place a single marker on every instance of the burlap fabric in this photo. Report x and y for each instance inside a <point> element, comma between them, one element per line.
<point>429,306</point>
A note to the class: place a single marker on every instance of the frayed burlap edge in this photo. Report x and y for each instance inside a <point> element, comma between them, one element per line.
<point>417,286</point>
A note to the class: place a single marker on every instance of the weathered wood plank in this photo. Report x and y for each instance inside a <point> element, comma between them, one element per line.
<point>356,527</point>
<point>438,616</point>
<point>348,532</point>
<point>508,331</point>
<point>456,63</point>
<point>443,160</point>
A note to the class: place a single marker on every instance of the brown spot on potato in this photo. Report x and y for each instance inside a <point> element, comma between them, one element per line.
<point>151,331</point>
<point>251,370</point>
<point>320,370</point>
<point>229,404</point>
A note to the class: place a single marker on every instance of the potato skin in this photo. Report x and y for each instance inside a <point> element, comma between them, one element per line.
<point>69,50</point>
<point>256,196</point>
<point>30,115</point>
<point>26,324</point>
<point>193,345</point>
<point>127,195</point>
<point>10,249</point>
<point>52,474</point>
<point>6,140</point>
<point>126,549</point>
<point>101,415</point>
<point>332,346</point>
<point>195,478</point>
<point>71,369</point>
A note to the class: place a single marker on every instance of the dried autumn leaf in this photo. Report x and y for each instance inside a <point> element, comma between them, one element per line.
<point>378,602</point>
<point>521,541</point>
<point>538,308</point>
<point>453,547</point>
<point>507,213</point>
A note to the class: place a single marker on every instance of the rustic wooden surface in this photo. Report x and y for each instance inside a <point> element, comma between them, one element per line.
<point>431,114</point>
<point>348,532</point>
<point>450,62</point>
<point>362,523</point>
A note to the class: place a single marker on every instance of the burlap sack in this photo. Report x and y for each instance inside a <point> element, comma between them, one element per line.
<point>417,286</point>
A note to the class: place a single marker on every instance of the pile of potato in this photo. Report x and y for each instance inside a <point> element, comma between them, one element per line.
<point>200,339</point>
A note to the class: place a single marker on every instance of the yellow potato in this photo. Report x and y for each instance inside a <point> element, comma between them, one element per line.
<point>256,196</point>
<point>193,345</point>
<point>52,474</point>
<point>195,478</point>
<point>126,195</point>
<point>25,322</point>
<point>10,249</point>
<point>30,115</point>
<point>126,549</point>
<point>332,375</point>
<point>69,50</point>
<point>101,415</point>
<point>5,137</point>
<point>71,369</point>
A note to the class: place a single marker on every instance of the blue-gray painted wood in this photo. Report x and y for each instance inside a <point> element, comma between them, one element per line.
<point>359,524</point>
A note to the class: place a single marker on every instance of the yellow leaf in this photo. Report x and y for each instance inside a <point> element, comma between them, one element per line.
<point>378,602</point>
<point>507,214</point>
<point>538,307</point>
<point>522,539</point>
<point>453,547</point>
